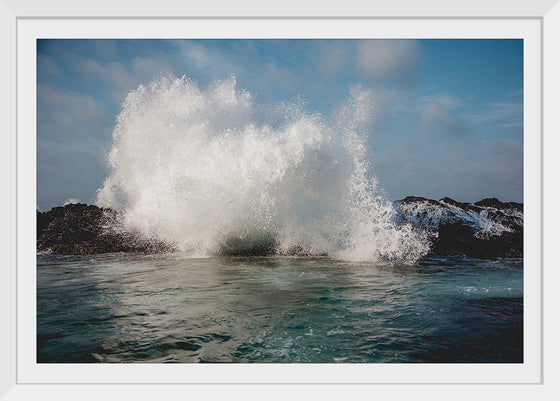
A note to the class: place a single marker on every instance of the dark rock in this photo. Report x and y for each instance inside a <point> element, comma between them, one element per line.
<point>461,205</point>
<point>453,202</point>
<point>79,229</point>
<point>495,203</point>
<point>460,239</point>
<point>255,245</point>
<point>485,229</point>
<point>490,202</point>
<point>414,199</point>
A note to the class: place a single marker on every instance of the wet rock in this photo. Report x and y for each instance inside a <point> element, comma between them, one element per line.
<point>484,229</point>
<point>460,239</point>
<point>496,204</point>
<point>79,229</point>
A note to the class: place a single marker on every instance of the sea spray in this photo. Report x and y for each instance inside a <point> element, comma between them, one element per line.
<point>204,170</point>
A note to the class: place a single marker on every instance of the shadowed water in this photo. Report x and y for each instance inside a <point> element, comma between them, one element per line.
<point>168,308</point>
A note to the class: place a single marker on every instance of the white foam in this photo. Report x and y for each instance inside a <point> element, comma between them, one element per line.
<point>71,201</point>
<point>195,167</point>
<point>432,215</point>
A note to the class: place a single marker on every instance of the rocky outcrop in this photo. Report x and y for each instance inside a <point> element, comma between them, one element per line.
<point>79,229</point>
<point>485,229</point>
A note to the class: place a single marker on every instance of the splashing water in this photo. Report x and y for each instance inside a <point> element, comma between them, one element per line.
<point>196,168</point>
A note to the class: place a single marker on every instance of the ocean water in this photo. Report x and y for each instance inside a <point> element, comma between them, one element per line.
<point>120,308</point>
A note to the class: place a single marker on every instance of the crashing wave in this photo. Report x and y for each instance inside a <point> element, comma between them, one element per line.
<point>213,172</point>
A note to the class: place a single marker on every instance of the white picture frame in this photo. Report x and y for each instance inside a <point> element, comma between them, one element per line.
<point>15,382</point>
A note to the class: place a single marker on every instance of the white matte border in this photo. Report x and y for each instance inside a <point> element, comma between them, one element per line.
<point>250,375</point>
<point>29,371</point>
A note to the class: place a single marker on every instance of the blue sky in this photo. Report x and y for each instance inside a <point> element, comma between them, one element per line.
<point>448,114</point>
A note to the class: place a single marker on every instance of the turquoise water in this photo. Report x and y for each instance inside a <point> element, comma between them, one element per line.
<point>168,308</point>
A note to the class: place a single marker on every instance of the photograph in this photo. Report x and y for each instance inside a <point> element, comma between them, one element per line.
<point>280,201</point>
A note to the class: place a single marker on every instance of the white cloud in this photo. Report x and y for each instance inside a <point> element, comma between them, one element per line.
<point>506,114</point>
<point>121,78</point>
<point>264,77</point>
<point>331,57</point>
<point>63,115</point>
<point>272,77</point>
<point>208,62</point>
<point>443,99</point>
<point>437,121</point>
<point>392,59</point>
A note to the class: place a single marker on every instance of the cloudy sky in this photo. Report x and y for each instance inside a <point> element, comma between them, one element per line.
<point>448,114</point>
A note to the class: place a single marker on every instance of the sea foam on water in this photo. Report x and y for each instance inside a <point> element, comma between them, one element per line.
<point>212,172</point>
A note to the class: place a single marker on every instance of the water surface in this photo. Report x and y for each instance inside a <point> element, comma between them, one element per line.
<point>169,308</point>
